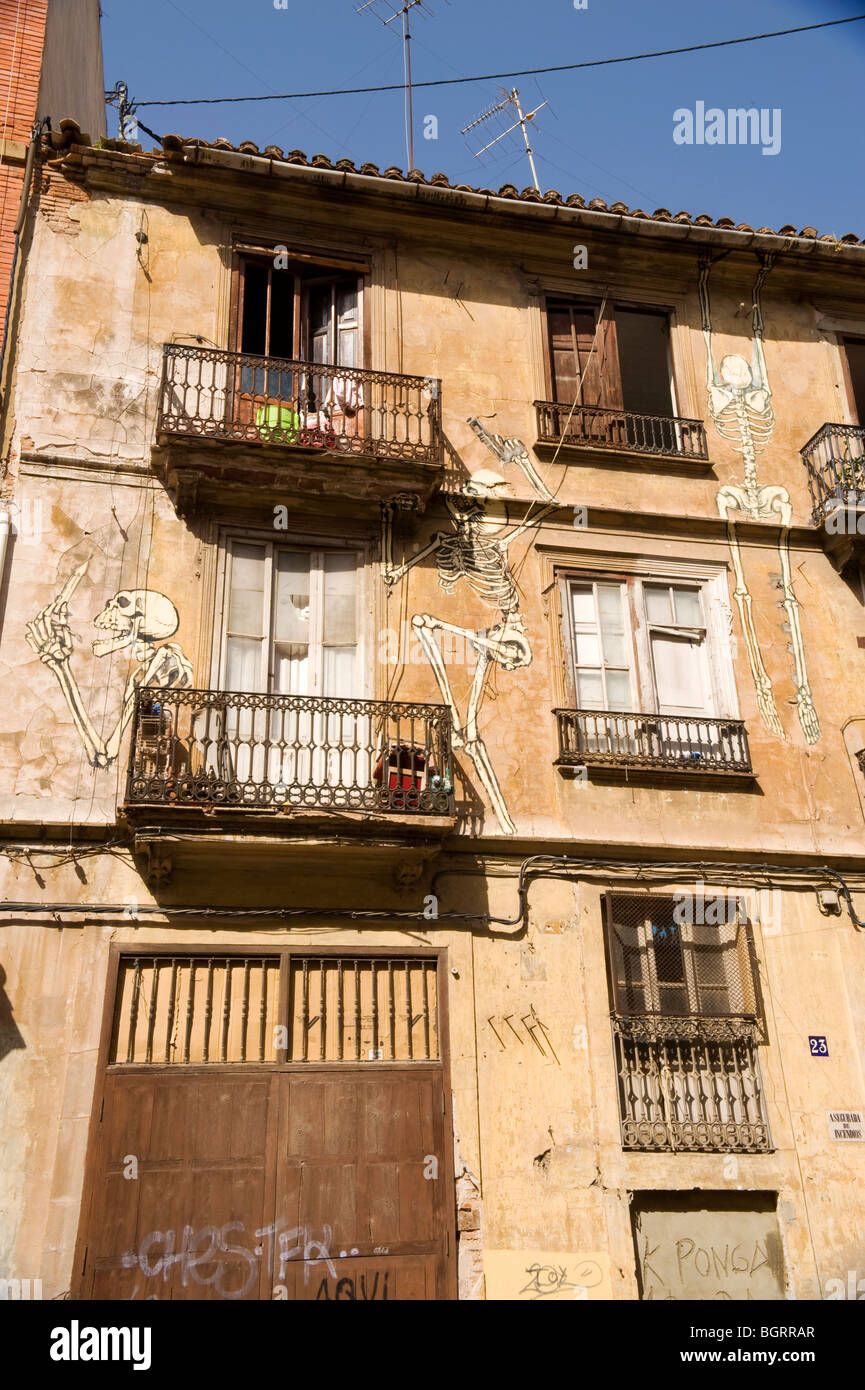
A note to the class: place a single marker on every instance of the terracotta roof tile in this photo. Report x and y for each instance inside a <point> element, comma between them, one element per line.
<point>69,140</point>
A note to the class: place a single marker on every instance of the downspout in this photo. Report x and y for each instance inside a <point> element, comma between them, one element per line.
<point>5,526</point>
<point>35,136</point>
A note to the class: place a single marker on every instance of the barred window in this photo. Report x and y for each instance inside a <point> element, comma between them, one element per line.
<point>683,957</point>
<point>685,1023</point>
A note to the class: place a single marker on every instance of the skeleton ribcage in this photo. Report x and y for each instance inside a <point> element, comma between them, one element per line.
<point>483,564</point>
<point>760,424</point>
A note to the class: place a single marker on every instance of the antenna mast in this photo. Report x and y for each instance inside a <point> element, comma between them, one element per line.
<point>511,98</point>
<point>401,11</point>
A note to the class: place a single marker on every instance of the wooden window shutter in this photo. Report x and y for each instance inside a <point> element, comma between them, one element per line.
<point>583,350</point>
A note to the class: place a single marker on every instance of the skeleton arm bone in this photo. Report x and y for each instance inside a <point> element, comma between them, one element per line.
<point>112,747</point>
<point>93,744</point>
<point>393,576</point>
<point>528,522</point>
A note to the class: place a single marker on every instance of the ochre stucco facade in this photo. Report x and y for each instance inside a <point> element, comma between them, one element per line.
<point>129,252</point>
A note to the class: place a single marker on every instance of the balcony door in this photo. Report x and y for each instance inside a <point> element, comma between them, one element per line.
<point>291,629</point>
<point>304,313</point>
<point>608,359</point>
<point>853,358</point>
<point>610,622</point>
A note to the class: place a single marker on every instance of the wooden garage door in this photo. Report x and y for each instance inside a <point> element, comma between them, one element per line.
<point>271,1127</point>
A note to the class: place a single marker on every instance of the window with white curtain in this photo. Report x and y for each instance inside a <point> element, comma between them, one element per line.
<point>640,645</point>
<point>291,625</point>
<point>291,628</point>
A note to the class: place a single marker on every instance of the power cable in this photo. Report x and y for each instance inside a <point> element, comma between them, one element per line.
<point>519,72</point>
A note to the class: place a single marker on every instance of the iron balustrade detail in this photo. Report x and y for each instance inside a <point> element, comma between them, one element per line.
<point>687,743</point>
<point>241,751</point>
<point>690,1084</point>
<point>835,461</point>
<point>596,427</point>
<point>207,393</point>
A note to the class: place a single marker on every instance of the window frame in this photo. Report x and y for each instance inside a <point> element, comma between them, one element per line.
<point>742,951</point>
<point>644,682</point>
<point>856,415</point>
<point>333,268</point>
<point>613,398</point>
<point>316,544</point>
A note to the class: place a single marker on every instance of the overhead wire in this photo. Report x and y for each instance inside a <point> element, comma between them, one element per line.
<point>513,72</point>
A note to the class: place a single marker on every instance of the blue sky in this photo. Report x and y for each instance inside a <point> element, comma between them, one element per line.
<point>606,132</point>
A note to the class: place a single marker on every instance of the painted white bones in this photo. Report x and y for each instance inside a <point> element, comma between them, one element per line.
<point>476,552</point>
<point>740,404</point>
<point>134,618</point>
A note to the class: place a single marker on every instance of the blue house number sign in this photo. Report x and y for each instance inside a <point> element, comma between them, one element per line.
<point>819,1047</point>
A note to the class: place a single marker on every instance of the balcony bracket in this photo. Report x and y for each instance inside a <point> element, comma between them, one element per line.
<point>157,861</point>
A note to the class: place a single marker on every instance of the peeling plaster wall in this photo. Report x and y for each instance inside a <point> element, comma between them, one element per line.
<point>539,1160</point>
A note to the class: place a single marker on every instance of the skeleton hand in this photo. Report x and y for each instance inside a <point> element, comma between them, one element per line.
<point>808,715</point>
<point>49,634</point>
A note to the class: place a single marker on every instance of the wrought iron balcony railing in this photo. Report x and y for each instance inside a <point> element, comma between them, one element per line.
<point>835,460</point>
<point>595,427</point>
<point>684,743</point>
<point>210,394</point>
<point>238,751</point>
<point>690,1084</point>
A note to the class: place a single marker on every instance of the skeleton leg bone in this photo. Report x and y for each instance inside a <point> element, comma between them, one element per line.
<point>804,699</point>
<point>425,626</point>
<point>477,750</point>
<point>762,683</point>
<point>467,738</point>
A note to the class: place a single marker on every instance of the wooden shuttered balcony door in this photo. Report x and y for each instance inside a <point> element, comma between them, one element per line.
<point>611,376</point>
<point>295,318</point>
<point>289,1122</point>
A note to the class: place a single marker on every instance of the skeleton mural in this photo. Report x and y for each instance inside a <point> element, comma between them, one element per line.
<point>511,451</point>
<point>475,551</point>
<point>136,619</point>
<point>740,404</point>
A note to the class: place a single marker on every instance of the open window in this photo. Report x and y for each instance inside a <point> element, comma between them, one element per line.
<point>299,312</point>
<point>618,359</point>
<point>853,358</point>
<point>603,618</point>
<point>648,679</point>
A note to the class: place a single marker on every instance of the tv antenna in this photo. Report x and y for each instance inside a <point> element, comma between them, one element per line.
<point>388,13</point>
<point>510,101</point>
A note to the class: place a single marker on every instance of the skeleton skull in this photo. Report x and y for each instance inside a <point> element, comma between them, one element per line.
<point>134,616</point>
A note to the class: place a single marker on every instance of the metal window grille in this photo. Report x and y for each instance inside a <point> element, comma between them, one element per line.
<point>198,1010</point>
<point>358,1010</point>
<point>685,1023</point>
<point>189,1010</point>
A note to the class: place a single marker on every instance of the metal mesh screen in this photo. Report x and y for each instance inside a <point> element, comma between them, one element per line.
<point>680,956</point>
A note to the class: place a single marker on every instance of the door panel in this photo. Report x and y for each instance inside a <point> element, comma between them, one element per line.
<point>308,1180</point>
<point>184,1226</point>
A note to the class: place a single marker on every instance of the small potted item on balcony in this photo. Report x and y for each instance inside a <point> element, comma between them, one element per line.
<point>277,424</point>
<point>406,768</point>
